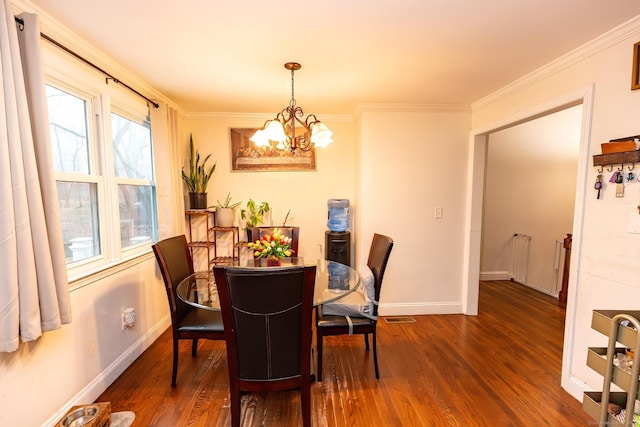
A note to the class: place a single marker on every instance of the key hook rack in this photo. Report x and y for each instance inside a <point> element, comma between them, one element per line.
<point>622,159</point>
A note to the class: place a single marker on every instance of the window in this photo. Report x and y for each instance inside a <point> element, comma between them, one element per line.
<point>134,176</point>
<point>103,161</point>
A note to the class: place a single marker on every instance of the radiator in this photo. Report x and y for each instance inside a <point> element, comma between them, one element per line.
<point>519,257</point>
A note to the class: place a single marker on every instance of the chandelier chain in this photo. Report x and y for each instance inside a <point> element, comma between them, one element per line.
<point>293,99</point>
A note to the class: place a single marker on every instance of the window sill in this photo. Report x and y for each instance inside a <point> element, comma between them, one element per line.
<point>103,272</point>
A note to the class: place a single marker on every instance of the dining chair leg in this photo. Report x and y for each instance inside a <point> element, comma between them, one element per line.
<point>194,347</point>
<point>375,353</point>
<point>305,401</point>
<point>366,342</point>
<point>234,396</point>
<point>174,369</point>
<point>319,345</point>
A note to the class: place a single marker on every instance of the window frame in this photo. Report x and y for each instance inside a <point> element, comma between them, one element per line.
<point>102,99</point>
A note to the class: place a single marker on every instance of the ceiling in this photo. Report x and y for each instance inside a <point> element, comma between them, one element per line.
<point>228,56</point>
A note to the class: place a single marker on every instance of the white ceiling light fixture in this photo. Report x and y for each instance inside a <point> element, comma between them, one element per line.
<point>288,131</point>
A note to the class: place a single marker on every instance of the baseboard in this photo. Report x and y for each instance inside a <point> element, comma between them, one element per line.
<point>409,309</point>
<point>495,275</point>
<point>575,388</point>
<point>103,380</point>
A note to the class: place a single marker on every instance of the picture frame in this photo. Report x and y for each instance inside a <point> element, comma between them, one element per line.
<point>246,156</point>
<point>635,72</point>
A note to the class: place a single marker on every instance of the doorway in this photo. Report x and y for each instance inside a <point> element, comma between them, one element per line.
<point>529,191</point>
<point>473,222</point>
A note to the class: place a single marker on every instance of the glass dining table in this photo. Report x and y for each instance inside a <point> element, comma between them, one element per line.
<point>333,281</point>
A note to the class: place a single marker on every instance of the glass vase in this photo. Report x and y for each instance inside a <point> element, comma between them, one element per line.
<point>273,261</point>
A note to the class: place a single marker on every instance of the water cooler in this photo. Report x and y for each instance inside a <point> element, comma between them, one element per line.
<point>338,238</point>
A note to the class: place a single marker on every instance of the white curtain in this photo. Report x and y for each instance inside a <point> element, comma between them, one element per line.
<point>167,149</point>
<point>34,292</point>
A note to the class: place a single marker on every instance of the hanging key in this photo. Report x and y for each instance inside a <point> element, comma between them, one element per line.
<point>619,185</point>
<point>598,185</point>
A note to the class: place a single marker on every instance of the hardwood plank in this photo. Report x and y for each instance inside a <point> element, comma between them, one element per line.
<point>501,367</point>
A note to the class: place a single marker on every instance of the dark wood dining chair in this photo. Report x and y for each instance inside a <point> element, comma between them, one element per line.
<point>267,314</point>
<point>187,322</point>
<point>327,325</point>
<point>289,231</point>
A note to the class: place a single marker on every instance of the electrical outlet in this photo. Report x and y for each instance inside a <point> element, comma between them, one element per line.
<point>128,318</point>
<point>437,212</point>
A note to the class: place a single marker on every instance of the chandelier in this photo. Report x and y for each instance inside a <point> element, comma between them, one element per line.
<point>288,131</point>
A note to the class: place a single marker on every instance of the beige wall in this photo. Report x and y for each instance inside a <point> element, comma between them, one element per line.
<point>605,266</point>
<point>530,188</point>
<point>412,161</point>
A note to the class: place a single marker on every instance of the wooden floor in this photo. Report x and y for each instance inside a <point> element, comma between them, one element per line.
<point>500,368</point>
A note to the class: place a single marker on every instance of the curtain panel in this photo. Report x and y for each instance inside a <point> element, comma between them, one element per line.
<point>34,292</point>
<point>164,128</point>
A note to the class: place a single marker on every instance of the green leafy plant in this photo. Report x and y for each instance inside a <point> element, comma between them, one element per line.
<point>199,174</point>
<point>254,214</point>
<point>227,203</point>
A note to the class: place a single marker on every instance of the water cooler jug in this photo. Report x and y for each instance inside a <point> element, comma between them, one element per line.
<point>338,238</point>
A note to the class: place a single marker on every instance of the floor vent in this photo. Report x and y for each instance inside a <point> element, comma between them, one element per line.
<point>403,319</point>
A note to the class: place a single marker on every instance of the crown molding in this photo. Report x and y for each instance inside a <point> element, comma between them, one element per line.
<point>597,45</point>
<point>196,115</point>
<point>411,108</point>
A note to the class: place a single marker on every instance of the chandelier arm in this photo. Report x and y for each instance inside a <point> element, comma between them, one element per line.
<point>310,120</point>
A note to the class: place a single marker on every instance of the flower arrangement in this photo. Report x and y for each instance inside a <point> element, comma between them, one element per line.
<point>276,244</point>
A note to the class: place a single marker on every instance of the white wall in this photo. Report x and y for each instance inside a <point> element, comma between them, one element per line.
<point>76,363</point>
<point>412,161</point>
<point>394,166</point>
<point>530,188</point>
<point>605,266</point>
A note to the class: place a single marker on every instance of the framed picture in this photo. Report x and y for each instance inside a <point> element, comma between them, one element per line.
<point>635,73</point>
<point>246,156</point>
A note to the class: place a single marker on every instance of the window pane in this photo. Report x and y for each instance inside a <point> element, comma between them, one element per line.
<point>79,214</point>
<point>131,148</point>
<point>137,214</point>
<point>68,128</point>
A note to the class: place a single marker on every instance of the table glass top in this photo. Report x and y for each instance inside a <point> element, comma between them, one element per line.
<point>333,281</point>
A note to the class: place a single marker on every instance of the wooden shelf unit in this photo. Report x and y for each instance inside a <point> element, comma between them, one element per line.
<point>210,239</point>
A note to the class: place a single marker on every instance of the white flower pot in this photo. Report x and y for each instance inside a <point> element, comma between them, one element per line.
<point>225,217</point>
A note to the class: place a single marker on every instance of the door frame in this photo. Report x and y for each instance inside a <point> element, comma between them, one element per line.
<point>474,207</point>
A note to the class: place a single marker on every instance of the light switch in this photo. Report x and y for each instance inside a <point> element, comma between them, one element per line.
<point>437,212</point>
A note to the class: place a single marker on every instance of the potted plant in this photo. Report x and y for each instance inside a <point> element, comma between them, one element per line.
<point>253,216</point>
<point>225,212</point>
<point>198,177</point>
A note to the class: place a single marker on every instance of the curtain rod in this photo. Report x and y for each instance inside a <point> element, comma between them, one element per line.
<point>91,64</point>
